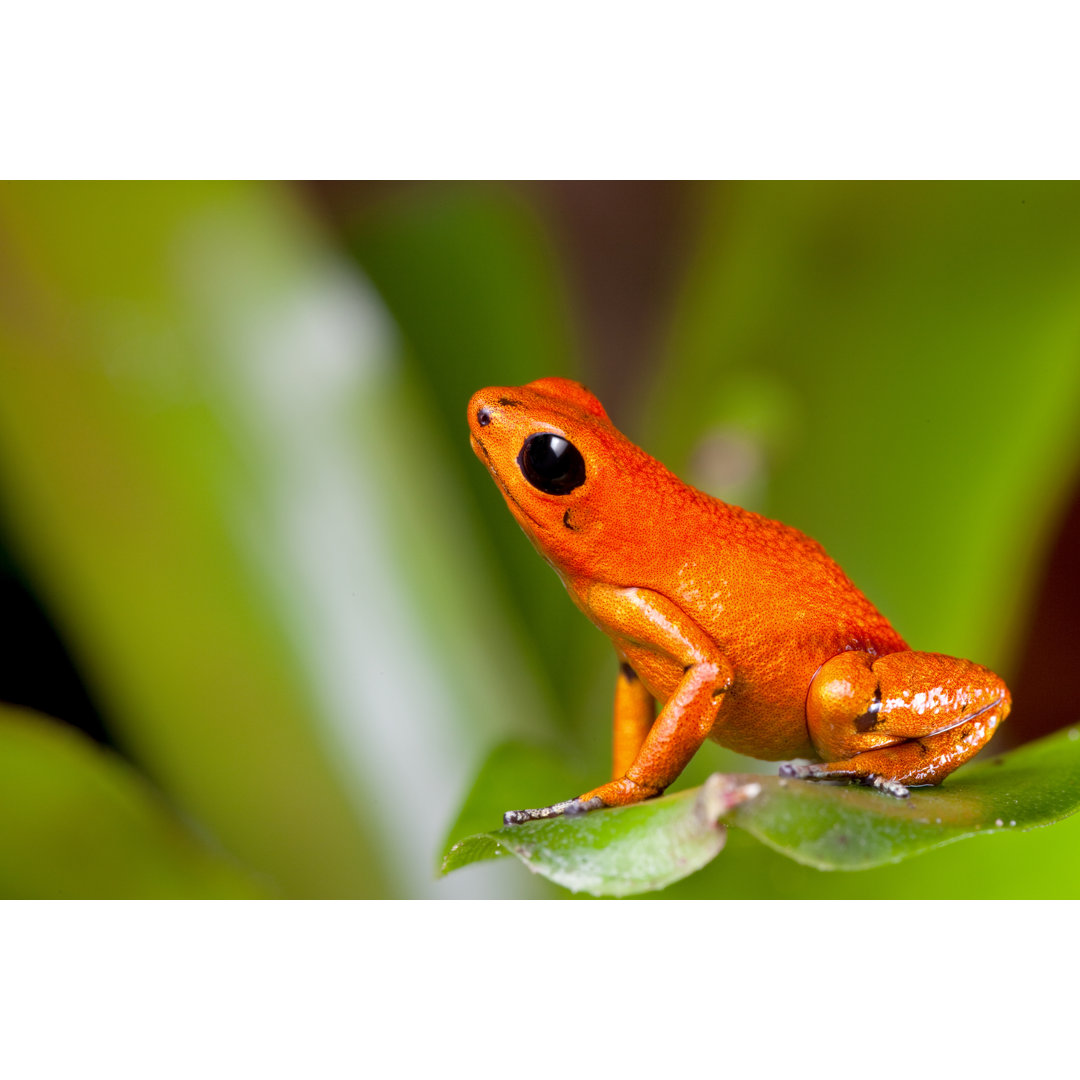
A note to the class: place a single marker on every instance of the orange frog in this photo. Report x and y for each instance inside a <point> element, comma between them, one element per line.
<point>742,628</point>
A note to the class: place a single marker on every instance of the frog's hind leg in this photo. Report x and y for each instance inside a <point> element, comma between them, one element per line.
<point>905,718</point>
<point>635,711</point>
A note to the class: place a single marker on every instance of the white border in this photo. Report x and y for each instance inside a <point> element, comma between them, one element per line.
<point>564,89</point>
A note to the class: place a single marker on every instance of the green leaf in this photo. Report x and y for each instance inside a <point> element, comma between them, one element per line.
<point>77,822</point>
<point>624,850</point>
<point>841,827</point>
<point>827,826</point>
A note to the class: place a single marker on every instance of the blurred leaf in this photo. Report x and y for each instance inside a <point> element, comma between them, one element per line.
<point>77,822</point>
<point>620,851</point>
<point>165,537</point>
<point>827,826</point>
<point>472,280</point>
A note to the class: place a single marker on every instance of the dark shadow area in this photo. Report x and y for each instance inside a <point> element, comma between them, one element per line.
<point>37,670</point>
<point>1043,696</point>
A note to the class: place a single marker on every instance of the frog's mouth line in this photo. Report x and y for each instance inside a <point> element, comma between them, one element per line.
<point>498,480</point>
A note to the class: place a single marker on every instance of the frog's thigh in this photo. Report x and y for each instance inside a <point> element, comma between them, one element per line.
<point>909,716</point>
<point>635,710</point>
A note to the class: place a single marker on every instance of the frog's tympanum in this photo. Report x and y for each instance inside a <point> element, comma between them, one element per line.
<point>741,628</point>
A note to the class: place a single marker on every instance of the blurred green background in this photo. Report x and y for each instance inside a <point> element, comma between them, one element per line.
<point>246,548</point>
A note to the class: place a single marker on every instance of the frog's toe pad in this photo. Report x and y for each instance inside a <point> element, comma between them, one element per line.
<point>569,808</point>
<point>890,787</point>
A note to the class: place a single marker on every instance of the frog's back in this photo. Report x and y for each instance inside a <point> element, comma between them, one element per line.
<point>784,580</point>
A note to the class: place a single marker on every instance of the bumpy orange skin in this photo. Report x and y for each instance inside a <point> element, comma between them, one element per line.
<point>724,617</point>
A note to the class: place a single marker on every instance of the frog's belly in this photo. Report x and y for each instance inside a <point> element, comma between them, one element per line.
<point>762,715</point>
<point>772,732</point>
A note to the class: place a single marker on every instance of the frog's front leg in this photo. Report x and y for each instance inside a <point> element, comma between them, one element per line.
<point>647,620</point>
<point>905,718</point>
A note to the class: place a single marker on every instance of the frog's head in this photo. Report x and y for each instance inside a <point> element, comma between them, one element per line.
<point>566,473</point>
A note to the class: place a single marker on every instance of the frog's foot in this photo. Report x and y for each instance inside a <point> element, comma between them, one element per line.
<point>562,809</point>
<point>827,772</point>
<point>621,792</point>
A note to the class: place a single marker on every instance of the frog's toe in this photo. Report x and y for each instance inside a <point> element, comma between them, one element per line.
<point>569,808</point>
<point>816,771</point>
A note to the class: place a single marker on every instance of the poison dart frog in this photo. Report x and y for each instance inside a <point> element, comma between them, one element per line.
<point>742,629</point>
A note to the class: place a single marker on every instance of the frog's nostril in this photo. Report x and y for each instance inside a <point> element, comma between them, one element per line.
<point>483,417</point>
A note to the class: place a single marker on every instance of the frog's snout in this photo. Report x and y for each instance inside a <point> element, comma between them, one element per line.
<point>486,408</point>
<point>497,422</point>
<point>480,415</point>
<point>480,412</point>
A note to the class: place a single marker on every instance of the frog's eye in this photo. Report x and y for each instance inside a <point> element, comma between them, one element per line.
<point>551,464</point>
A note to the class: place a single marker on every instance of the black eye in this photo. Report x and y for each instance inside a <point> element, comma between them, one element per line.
<point>551,464</point>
